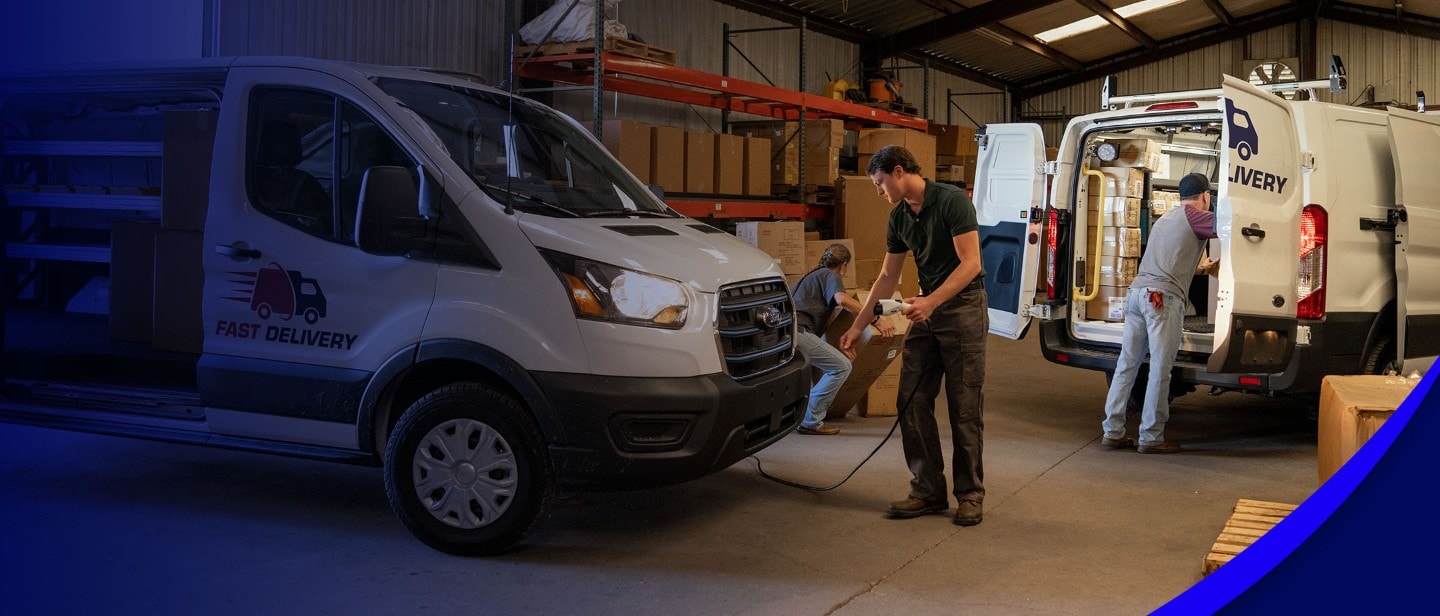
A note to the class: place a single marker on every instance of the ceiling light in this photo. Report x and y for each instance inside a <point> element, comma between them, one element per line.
<point>1095,22</point>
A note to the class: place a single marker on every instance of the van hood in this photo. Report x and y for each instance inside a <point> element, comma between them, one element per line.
<point>682,249</point>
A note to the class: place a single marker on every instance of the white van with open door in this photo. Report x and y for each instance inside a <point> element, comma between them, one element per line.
<point>1323,213</point>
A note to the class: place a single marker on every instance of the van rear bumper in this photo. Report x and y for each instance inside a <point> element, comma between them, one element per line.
<point>628,432</point>
<point>1336,346</point>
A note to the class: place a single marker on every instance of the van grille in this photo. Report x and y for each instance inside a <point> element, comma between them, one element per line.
<point>751,345</point>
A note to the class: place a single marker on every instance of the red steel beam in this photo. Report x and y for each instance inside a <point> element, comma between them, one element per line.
<point>709,90</point>
<point>720,208</point>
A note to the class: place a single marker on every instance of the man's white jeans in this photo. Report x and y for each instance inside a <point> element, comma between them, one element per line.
<point>1158,332</point>
<point>836,368</point>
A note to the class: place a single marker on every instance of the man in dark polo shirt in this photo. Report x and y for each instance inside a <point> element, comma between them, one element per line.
<point>947,336</point>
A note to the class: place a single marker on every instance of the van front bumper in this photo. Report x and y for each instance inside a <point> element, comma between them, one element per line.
<point>633,432</point>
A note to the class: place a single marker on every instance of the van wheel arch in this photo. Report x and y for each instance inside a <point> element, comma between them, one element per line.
<point>1379,352</point>
<point>434,364</point>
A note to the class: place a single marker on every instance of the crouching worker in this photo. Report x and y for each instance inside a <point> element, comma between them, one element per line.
<point>817,294</point>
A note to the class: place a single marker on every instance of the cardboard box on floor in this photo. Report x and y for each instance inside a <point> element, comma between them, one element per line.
<point>873,354</point>
<point>880,400</point>
<point>1352,409</point>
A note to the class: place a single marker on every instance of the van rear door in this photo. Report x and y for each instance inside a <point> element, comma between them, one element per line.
<point>1415,145</point>
<point>1009,203</point>
<point>1258,223</point>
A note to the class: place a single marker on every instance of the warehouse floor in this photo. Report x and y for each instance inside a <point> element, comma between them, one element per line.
<point>1070,528</point>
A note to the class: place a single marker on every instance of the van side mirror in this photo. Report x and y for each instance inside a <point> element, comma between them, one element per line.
<point>388,196</point>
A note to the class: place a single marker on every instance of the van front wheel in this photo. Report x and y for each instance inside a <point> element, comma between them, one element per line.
<point>466,471</point>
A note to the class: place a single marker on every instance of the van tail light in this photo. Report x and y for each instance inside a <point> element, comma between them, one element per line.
<point>1310,284</point>
<point>1052,246</point>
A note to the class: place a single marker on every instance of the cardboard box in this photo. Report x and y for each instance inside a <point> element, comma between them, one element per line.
<point>757,167</point>
<point>866,271</point>
<point>861,215</point>
<point>823,142</point>
<point>1115,241</point>
<point>881,400</point>
<point>815,248</point>
<point>921,145</point>
<point>1352,409</point>
<point>132,280</point>
<point>699,162</point>
<point>909,277</point>
<point>185,159</point>
<point>784,240</point>
<point>952,140</point>
<point>1118,211</point>
<point>1162,201</point>
<point>950,173</point>
<point>179,284</point>
<point>729,164</point>
<point>1138,153</point>
<point>873,354</point>
<point>667,158</point>
<point>1108,305</point>
<point>1119,182</point>
<point>1118,271</point>
<point>630,143</point>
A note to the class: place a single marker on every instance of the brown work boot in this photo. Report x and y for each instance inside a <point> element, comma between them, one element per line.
<point>1161,447</point>
<point>967,513</point>
<point>1117,443</point>
<point>913,508</point>
<point>822,430</point>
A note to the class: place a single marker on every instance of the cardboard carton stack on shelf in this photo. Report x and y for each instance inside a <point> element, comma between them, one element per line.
<point>685,161</point>
<point>824,140</point>
<point>1116,221</point>
<point>956,153</point>
<point>921,145</point>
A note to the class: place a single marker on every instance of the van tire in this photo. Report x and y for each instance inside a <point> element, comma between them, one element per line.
<point>1380,357</point>
<point>451,436</point>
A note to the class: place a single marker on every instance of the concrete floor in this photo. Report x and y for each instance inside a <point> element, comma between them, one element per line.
<point>1070,528</point>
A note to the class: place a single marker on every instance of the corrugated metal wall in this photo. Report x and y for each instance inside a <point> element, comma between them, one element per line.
<point>1395,64</point>
<point>451,34</point>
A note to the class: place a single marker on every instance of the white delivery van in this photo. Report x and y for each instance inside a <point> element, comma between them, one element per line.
<point>1328,219</point>
<point>383,266</point>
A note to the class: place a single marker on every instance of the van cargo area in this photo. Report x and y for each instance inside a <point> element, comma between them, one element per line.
<point>1128,178</point>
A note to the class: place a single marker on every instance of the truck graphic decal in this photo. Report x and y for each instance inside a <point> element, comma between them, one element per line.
<point>275,291</point>
<point>1245,140</point>
<point>1243,137</point>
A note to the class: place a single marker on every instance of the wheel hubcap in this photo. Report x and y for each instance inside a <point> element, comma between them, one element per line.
<point>465,473</point>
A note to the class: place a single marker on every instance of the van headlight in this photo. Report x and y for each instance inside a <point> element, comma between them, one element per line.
<point>604,292</point>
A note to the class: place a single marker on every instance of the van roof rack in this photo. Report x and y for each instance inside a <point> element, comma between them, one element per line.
<point>1336,83</point>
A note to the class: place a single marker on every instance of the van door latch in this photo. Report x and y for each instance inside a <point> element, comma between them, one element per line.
<point>1392,218</point>
<point>1051,167</point>
<point>1307,160</point>
<point>1038,311</point>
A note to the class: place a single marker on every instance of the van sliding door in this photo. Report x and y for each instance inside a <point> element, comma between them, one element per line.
<point>1257,218</point>
<point>1415,144</point>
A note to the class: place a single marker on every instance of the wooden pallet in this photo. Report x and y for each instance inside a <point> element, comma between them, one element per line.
<point>895,106</point>
<point>617,45</point>
<point>1251,520</point>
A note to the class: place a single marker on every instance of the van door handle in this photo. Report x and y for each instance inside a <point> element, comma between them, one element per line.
<point>237,251</point>
<point>1253,231</point>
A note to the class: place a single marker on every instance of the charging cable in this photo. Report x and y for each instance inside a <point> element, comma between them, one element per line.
<point>760,469</point>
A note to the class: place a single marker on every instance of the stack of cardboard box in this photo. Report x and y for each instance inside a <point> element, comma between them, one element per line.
<point>823,142</point>
<point>783,240</point>
<point>684,161</point>
<point>1113,212</point>
<point>956,153</point>
<point>874,373</point>
<point>921,145</point>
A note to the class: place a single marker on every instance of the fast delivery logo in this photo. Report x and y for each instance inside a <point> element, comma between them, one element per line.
<point>1245,141</point>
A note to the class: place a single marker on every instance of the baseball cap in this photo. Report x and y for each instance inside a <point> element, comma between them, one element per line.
<point>1193,184</point>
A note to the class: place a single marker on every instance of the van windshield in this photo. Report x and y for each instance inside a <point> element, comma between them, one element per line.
<point>524,154</point>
